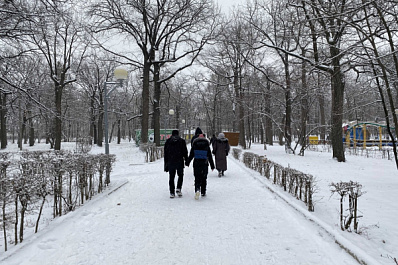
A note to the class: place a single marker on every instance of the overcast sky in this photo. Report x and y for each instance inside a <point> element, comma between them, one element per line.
<point>226,5</point>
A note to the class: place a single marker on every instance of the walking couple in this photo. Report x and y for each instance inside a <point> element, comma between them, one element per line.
<point>175,152</point>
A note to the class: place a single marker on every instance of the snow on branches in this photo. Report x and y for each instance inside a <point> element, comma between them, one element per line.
<point>30,179</point>
<point>353,190</point>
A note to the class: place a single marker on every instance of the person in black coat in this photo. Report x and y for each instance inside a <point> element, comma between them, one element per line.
<point>212,140</point>
<point>175,152</point>
<point>201,154</point>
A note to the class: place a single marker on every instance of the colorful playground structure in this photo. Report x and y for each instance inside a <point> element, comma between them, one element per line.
<point>366,134</point>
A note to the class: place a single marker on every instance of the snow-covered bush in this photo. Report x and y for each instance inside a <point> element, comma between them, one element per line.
<point>353,190</point>
<point>297,183</point>
<point>236,153</point>
<point>61,178</point>
<point>153,152</point>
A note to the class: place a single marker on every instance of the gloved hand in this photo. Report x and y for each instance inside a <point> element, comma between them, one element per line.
<point>187,163</point>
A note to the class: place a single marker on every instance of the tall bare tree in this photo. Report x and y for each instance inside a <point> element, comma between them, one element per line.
<point>233,47</point>
<point>60,37</point>
<point>166,32</point>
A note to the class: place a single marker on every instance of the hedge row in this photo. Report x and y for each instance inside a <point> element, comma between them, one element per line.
<point>65,179</point>
<point>299,184</point>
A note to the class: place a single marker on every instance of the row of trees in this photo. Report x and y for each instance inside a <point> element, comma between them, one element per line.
<point>282,69</point>
<point>308,59</point>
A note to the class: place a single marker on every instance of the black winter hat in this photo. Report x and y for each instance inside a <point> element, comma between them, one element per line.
<point>174,133</point>
<point>198,131</point>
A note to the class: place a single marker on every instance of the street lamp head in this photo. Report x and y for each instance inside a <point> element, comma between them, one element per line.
<point>171,112</point>
<point>120,74</point>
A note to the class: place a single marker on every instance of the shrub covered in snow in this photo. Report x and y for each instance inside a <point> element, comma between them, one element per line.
<point>30,179</point>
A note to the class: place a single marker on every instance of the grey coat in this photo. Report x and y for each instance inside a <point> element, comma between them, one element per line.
<point>221,150</point>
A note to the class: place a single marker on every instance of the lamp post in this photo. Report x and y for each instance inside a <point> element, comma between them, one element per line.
<point>120,74</point>
<point>171,113</point>
<point>183,128</point>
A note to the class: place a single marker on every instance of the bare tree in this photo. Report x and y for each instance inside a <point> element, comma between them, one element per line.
<point>11,31</point>
<point>231,51</point>
<point>166,32</point>
<point>381,63</point>
<point>328,24</point>
<point>59,37</point>
<point>277,25</point>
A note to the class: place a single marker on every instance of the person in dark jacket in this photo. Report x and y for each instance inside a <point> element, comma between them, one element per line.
<point>201,154</point>
<point>198,131</point>
<point>212,140</point>
<point>220,150</point>
<point>175,152</point>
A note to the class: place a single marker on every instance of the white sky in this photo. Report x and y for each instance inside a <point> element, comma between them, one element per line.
<point>226,5</point>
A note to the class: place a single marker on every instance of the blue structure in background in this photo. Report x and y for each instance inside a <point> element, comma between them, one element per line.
<point>373,135</point>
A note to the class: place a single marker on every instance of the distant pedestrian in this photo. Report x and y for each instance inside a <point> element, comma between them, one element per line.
<point>201,154</point>
<point>175,152</point>
<point>212,140</point>
<point>220,150</point>
<point>198,131</point>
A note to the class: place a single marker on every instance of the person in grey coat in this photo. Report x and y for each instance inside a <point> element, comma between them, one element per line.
<point>221,150</point>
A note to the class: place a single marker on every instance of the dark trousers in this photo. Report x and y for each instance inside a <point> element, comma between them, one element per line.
<point>200,173</point>
<point>172,174</point>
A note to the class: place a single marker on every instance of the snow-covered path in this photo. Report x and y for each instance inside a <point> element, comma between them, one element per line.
<point>239,222</point>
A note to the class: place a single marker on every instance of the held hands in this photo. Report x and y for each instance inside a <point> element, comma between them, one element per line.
<point>187,163</point>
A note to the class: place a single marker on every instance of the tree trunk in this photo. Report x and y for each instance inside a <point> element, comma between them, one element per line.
<point>20,130</point>
<point>288,100</point>
<point>31,132</point>
<point>3,120</point>
<point>23,128</point>
<point>322,118</point>
<point>119,136</point>
<point>268,122</point>
<point>239,100</point>
<point>280,131</point>
<point>39,214</point>
<point>101,121</point>
<point>93,129</point>
<point>304,105</point>
<point>156,104</point>
<point>58,118</point>
<point>4,219</point>
<point>16,220</point>
<point>145,100</point>
<point>337,105</point>
<point>21,226</point>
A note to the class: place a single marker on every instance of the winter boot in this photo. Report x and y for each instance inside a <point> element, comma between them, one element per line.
<point>178,191</point>
<point>197,195</point>
<point>172,195</point>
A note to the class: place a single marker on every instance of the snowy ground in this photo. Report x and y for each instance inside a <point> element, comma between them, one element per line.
<point>241,221</point>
